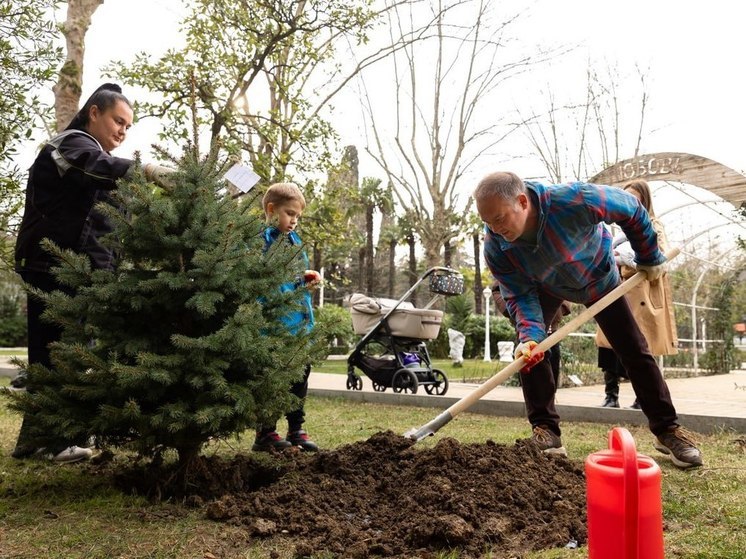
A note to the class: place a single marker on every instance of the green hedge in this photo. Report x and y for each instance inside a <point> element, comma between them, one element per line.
<point>13,331</point>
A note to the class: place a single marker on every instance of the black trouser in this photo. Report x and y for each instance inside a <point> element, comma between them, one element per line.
<point>619,326</point>
<point>613,371</point>
<point>40,334</point>
<point>297,417</point>
<point>554,362</point>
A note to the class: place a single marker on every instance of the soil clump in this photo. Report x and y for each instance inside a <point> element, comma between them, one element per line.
<point>385,497</point>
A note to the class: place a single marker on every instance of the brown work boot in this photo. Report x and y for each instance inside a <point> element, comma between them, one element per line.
<point>547,441</point>
<point>677,442</point>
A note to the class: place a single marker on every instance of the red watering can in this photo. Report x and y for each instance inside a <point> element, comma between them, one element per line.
<point>625,518</point>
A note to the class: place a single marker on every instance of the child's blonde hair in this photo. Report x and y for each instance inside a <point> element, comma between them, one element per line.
<point>280,193</point>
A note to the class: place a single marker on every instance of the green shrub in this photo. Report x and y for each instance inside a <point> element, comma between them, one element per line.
<point>335,328</point>
<point>459,309</point>
<point>13,331</point>
<point>472,326</point>
<point>13,326</point>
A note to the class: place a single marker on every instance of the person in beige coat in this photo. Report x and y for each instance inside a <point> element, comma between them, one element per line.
<point>651,304</point>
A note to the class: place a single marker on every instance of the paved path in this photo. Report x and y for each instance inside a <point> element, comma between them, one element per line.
<point>6,369</point>
<point>705,404</point>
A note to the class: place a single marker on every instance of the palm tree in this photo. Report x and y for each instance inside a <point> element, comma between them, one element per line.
<point>475,228</point>
<point>371,197</point>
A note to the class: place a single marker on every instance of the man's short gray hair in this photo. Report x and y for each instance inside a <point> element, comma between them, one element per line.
<point>504,185</point>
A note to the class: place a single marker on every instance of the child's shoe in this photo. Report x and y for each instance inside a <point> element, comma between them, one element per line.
<point>71,454</point>
<point>266,442</point>
<point>300,438</point>
<point>19,382</point>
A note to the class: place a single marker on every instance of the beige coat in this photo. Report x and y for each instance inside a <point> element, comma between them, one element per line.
<point>652,306</point>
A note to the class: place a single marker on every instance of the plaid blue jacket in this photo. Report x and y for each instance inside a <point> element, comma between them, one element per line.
<point>571,258</point>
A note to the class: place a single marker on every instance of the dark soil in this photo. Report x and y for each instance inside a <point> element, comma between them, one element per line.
<point>386,497</point>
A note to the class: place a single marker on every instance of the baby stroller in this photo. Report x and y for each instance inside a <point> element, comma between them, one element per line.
<point>392,351</point>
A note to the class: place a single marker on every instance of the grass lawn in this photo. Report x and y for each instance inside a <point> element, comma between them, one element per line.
<point>473,370</point>
<point>55,512</point>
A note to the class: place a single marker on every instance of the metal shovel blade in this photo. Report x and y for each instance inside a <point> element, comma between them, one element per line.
<point>429,429</point>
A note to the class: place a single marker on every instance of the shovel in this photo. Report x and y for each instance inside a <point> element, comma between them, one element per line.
<point>467,401</point>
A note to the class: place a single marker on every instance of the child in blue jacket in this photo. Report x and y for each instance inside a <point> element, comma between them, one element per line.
<point>283,205</point>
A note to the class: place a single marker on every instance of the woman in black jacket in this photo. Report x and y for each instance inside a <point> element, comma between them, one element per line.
<point>73,172</point>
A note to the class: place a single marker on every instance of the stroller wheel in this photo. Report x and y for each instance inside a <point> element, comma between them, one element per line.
<point>439,385</point>
<point>379,387</point>
<point>404,380</point>
<point>354,382</point>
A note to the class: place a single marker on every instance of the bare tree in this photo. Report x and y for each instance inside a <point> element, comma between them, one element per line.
<point>70,82</point>
<point>409,235</point>
<point>576,139</point>
<point>266,73</point>
<point>442,87</point>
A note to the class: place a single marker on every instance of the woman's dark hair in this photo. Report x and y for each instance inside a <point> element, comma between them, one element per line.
<point>104,97</point>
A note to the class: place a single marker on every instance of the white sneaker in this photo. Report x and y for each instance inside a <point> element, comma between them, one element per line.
<point>72,454</point>
<point>18,384</point>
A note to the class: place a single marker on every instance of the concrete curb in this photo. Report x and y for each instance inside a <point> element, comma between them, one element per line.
<point>705,424</point>
<point>515,408</point>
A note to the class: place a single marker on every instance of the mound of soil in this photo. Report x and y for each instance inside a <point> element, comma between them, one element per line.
<point>384,497</point>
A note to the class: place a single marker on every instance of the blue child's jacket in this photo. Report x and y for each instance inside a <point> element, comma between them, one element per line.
<point>294,320</point>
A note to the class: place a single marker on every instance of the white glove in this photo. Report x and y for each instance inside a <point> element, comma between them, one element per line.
<point>625,256</point>
<point>619,239</point>
<point>525,351</point>
<point>653,272</point>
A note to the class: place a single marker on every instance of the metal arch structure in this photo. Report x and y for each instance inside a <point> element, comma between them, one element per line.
<point>707,268</point>
<point>728,184</point>
<point>659,215</point>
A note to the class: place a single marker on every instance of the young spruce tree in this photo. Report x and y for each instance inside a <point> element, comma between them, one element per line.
<point>182,342</point>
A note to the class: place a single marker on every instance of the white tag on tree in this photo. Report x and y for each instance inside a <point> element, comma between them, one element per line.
<point>242,177</point>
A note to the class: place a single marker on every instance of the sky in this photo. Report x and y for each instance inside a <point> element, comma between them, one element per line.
<point>693,50</point>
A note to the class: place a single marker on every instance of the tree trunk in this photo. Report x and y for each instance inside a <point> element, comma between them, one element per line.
<point>477,275</point>
<point>370,276</point>
<point>392,267</point>
<point>69,85</point>
<point>412,267</point>
<point>432,252</point>
<point>187,455</point>
<point>361,270</point>
<point>447,254</point>
<point>317,265</point>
